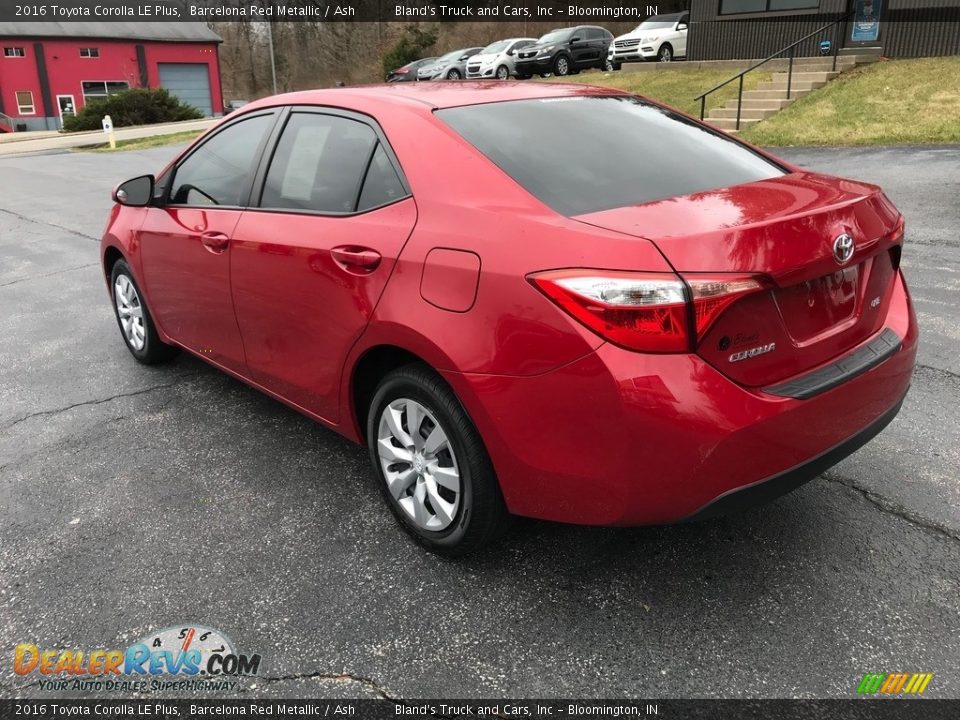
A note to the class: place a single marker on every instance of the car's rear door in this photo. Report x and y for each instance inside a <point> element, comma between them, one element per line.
<point>185,240</point>
<point>310,262</point>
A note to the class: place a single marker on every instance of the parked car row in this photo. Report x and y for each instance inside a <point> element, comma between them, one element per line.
<point>565,51</point>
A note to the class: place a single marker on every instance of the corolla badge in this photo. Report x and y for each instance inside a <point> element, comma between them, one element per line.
<point>752,352</point>
<point>843,248</point>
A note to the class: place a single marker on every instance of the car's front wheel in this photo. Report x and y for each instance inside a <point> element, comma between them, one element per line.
<point>503,73</point>
<point>134,319</point>
<point>453,74</point>
<point>665,54</point>
<point>561,66</point>
<point>434,470</point>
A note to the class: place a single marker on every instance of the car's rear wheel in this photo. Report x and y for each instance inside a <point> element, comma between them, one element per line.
<point>561,66</point>
<point>665,54</point>
<point>453,74</point>
<point>523,76</point>
<point>434,470</point>
<point>134,319</point>
<point>503,73</point>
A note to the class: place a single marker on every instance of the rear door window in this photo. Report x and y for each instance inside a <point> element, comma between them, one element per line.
<point>319,164</point>
<point>585,154</point>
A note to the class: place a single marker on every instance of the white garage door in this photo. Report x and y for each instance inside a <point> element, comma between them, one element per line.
<point>189,82</point>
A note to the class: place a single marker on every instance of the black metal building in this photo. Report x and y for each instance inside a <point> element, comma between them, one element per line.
<point>741,29</point>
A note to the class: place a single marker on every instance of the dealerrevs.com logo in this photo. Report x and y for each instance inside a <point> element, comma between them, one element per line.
<point>198,657</point>
<point>894,683</point>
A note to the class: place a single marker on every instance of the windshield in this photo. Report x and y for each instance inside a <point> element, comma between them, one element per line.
<point>555,36</point>
<point>451,56</point>
<point>497,47</point>
<point>655,25</point>
<point>628,151</point>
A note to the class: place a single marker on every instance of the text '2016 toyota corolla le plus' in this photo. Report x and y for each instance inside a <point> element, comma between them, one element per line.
<point>559,302</point>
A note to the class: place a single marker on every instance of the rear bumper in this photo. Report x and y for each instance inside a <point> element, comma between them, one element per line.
<point>622,438</point>
<point>770,489</point>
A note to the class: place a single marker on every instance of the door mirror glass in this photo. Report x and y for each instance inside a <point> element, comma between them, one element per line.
<point>681,26</point>
<point>575,39</point>
<point>137,192</point>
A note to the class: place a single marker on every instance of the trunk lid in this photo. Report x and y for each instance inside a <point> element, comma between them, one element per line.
<point>815,307</point>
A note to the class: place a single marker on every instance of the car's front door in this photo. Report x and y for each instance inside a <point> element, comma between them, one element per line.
<point>680,44</point>
<point>310,263</point>
<point>185,240</point>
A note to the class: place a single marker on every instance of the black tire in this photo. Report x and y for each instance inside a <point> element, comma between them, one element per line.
<point>454,75</point>
<point>154,350</point>
<point>617,66</point>
<point>523,76</point>
<point>481,516</point>
<point>665,53</point>
<point>561,66</point>
<point>503,73</point>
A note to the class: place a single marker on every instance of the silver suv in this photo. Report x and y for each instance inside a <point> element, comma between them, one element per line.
<point>497,60</point>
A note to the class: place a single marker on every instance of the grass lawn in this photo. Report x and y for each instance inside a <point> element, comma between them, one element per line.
<point>144,143</point>
<point>888,102</point>
<point>677,87</point>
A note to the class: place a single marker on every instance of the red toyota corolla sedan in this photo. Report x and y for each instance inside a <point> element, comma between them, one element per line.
<point>554,301</point>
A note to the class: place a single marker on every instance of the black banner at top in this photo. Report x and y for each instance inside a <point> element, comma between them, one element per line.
<point>561,11</point>
<point>321,10</point>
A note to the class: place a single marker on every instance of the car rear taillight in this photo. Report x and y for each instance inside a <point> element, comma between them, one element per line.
<point>649,312</point>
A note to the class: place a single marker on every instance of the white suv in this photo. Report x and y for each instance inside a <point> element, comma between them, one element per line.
<point>497,60</point>
<point>661,37</point>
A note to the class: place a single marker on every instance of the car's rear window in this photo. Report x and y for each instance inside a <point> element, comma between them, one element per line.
<point>584,154</point>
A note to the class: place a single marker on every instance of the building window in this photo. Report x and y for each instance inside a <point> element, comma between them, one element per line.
<point>732,7</point>
<point>90,52</point>
<point>25,104</point>
<point>14,52</point>
<point>98,90</point>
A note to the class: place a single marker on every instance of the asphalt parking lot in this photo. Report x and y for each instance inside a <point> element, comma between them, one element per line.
<point>136,498</point>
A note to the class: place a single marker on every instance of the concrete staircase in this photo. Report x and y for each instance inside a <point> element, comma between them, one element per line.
<point>770,97</point>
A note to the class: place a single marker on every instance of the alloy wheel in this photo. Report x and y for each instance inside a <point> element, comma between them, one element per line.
<point>563,67</point>
<point>419,464</point>
<point>503,73</point>
<point>130,312</point>
<point>665,54</point>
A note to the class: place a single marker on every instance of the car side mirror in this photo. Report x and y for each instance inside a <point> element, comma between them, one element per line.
<point>137,192</point>
<point>681,26</point>
<point>574,39</point>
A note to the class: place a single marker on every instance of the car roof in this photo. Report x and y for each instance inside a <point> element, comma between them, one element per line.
<point>432,95</point>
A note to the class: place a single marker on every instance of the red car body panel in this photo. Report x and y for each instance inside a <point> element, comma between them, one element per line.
<point>654,437</point>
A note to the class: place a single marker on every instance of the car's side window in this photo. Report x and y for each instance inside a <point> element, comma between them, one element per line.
<point>319,164</point>
<point>218,171</point>
<point>382,185</point>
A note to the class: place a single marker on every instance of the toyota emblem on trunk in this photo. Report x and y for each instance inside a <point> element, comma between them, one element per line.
<point>843,248</point>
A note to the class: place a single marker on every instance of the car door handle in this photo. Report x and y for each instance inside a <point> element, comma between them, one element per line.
<point>215,241</point>
<point>353,258</point>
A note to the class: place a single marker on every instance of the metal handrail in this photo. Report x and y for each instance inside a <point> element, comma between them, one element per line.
<point>835,44</point>
<point>9,121</point>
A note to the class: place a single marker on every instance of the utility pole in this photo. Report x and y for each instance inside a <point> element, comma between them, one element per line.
<point>273,61</point>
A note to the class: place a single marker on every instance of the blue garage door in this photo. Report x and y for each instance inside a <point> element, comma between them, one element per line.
<point>189,82</point>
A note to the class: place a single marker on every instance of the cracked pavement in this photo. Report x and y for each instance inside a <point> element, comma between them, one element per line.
<point>136,498</point>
